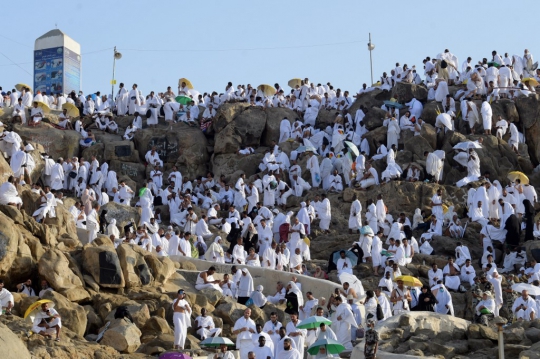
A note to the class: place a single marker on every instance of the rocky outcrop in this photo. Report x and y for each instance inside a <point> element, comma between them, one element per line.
<point>104,266</point>
<point>11,346</point>
<point>56,143</point>
<point>134,267</point>
<point>122,336</point>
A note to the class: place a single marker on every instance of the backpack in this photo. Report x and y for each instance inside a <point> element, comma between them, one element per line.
<point>380,314</point>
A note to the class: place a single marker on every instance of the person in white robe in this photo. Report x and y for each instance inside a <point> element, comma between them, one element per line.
<point>444,299</point>
<point>355,215</point>
<point>284,130</point>
<point>244,328</point>
<point>181,319</point>
<point>134,101</point>
<point>19,112</point>
<point>471,114</point>
<point>370,177</point>
<point>313,166</point>
<point>326,169</point>
<point>502,127</point>
<point>154,103</point>
<point>122,101</point>
<point>344,264</point>
<point>487,115</point>
<point>393,170</point>
<point>343,323</point>
<point>9,194</point>
<point>298,336</point>
<point>524,307</point>
<point>393,133</point>
<point>335,182</point>
<point>467,272</point>
<point>473,169</point>
<point>324,211</point>
<point>451,272</point>
<point>205,326</point>
<point>435,164</point>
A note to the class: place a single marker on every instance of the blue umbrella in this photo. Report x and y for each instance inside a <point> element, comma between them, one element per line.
<point>348,254</point>
<point>393,104</point>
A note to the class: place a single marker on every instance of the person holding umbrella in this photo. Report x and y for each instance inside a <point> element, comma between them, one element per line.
<point>223,353</point>
<point>47,321</point>
<point>371,340</point>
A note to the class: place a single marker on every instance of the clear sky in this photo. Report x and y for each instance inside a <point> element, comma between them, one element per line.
<point>213,42</point>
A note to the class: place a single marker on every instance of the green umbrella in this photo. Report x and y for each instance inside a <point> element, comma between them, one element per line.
<point>332,347</point>
<point>493,63</point>
<point>216,342</point>
<point>313,322</point>
<point>184,100</point>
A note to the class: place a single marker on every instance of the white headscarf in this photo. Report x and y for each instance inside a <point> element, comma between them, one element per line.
<point>245,284</point>
<point>215,250</point>
<point>259,299</point>
<point>298,292</point>
<point>112,229</point>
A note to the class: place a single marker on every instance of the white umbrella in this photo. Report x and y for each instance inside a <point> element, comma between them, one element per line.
<point>520,287</point>
<point>466,145</point>
<point>354,282</point>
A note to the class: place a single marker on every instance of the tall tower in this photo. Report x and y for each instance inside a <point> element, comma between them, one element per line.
<point>57,63</point>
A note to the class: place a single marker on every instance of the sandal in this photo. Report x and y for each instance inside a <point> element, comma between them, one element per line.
<point>57,340</point>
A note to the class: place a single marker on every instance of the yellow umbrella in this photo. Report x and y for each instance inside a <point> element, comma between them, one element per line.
<point>444,208</point>
<point>409,281</point>
<point>267,90</point>
<point>20,87</point>
<point>294,82</point>
<point>188,83</point>
<point>532,81</point>
<point>376,84</point>
<point>72,110</point>
<point>36,307</point>
<point>512,176</point>
<point>44,107</point>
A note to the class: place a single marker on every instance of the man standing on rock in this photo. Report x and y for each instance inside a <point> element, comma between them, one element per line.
<point>244,328</point>
<point>92,222</point>
<point>181,319</point>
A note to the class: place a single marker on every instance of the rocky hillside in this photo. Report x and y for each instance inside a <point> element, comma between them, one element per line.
<point>90,281</point>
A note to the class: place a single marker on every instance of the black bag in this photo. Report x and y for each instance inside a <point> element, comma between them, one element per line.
<point>72,174</point>
<point>380,314</point>
<point>360,332</point>
<point>123,312</point>
<point>148,113</point>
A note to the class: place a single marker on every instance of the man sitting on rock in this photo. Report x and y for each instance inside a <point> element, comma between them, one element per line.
<point>47,322</point>
<point>6,299</point>
<point>524,307</point>
<point>206,280</point>
<point>205,326</point>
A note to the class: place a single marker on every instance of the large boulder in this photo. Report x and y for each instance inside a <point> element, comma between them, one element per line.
<point>73,315</point>
<point>104,266</point>
<point>139,312</point>
<point>405,92</point>
<point>122,336</point>
<point>56,143</point>
<point>5,169</point>
<point>528,109</point>
<point>274,116</point>
<point>10,237</point>
<point>134,170</point>
<point>162,268</point>
<point>232,165</point>
<point>229,310</point>
<point>11,345</point>
<point>227,141</point>
<point>54,267</point>
<point>226,113</point>
<point>186,148</point>
<point>121,151</point>
<point>122,214</point>
<point>134,267</point>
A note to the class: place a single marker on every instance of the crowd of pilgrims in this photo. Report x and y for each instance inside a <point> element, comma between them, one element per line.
<point>253,213</point>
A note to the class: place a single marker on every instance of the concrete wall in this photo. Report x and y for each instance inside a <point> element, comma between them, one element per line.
<point>269,277</point>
